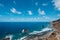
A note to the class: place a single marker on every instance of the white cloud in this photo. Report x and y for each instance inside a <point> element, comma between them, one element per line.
<point>44,4</point>
<point>30,12</point>
<point>42,12</point>
<point>13,10</point>
<point>46,17</point>
<point>57,4</point>
<point>18,12</point>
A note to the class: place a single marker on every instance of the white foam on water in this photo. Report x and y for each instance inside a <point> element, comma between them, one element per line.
<point>9,36</point>
<point>23,31</point>
<point>35,32</point>
<point>22,38</point>
<point>43,30</point>
<point>46,29</point>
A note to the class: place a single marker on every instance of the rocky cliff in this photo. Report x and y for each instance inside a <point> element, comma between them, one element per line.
<point>55,35</point>
<point>55,25</point>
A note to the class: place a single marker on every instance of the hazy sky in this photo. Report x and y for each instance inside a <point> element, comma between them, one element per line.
<point>29,10</point>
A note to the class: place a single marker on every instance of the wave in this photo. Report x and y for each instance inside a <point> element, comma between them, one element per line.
<point>23,37</point>
<point>43,30</point>
<point>32,33</point>
<point>36,32</point>
<point>9,36</point>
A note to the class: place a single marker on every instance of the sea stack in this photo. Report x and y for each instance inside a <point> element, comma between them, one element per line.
<point>54,35</point>
<point>24,31</point>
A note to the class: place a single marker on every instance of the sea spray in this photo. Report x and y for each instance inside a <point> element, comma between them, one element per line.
<point>9,36</point>
<point>43,31</point>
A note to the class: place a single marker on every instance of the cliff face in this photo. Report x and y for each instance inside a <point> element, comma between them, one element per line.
<point>55,35</point>
<point>52,36</point>
<point>55,25</point>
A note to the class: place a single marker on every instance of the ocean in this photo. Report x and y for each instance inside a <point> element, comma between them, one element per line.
<point>14,29</point>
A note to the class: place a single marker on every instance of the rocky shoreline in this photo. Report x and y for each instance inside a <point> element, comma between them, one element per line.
<point>53,35</point>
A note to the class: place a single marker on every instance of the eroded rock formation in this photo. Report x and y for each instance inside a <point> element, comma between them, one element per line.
<point>55,35</point>
<point>55,25</point>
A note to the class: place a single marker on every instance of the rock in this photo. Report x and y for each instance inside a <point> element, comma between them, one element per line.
<point>24,31</point>
<point>55,35</point>
<point>6,39</point>
<point>52,36</point>
<point>55,25</point>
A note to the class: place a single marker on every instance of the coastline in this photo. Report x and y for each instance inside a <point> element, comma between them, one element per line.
<point>53,35</point>
<point>38,36</point>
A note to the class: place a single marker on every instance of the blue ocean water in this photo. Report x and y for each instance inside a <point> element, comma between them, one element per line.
<point>15,28</point>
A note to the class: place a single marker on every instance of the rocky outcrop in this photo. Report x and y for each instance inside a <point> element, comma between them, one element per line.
<point>56,27</point>
<point>24,31</point>
<point>52,36</point>
<point>55,35</point>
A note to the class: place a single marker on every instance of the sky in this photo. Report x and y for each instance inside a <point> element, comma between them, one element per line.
<point>29,10</point>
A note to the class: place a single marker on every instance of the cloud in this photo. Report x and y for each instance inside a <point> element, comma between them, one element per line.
<point>57,4</point>
<point>46,17</point>
<point>42,12</point>
<point>44,4</point>
<point>30,12</point>
<point>33,19</point>
<point>1,5</point>
<point>13,10</point>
